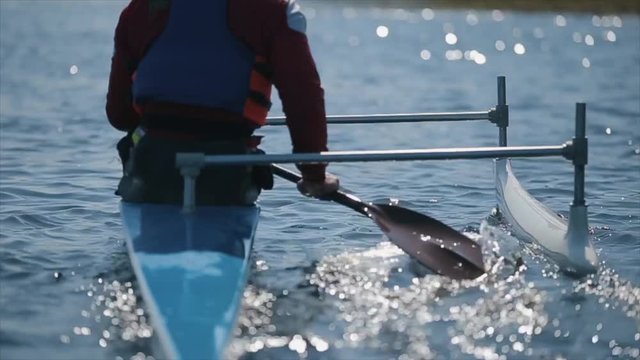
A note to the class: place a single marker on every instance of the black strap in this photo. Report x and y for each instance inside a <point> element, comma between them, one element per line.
<point>260,98</point>
<point>199,128</point>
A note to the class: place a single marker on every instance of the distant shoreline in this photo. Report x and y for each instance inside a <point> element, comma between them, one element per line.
<point>593,6</point>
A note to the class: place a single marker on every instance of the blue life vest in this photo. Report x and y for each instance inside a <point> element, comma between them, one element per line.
<point>198,61</point>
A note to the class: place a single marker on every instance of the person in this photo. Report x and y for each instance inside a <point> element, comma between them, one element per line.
<point>196,76</point>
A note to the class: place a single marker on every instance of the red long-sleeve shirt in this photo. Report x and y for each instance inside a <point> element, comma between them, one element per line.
<point>263,26</point>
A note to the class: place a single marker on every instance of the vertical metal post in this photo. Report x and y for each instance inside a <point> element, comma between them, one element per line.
<point>580,253</point>
<point>189,165</point>
<point>189,175</point>
<point>581,154</point>
<point>503,111</point>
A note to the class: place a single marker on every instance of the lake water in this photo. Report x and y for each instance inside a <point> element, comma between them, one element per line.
<point>326,284</point>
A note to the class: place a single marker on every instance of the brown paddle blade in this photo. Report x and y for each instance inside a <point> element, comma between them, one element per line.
<point>432,243</point>
<point>429,241</point>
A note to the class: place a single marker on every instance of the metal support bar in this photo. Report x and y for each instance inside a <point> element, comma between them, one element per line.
<point>395,118</point>
<point>390,155</point>
<point>500,115</point>
<point>580,154</point>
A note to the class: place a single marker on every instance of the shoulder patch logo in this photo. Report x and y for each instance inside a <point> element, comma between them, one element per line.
<point>295,17</point>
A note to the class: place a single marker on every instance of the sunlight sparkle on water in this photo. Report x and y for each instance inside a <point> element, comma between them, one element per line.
<point>500,45</point>
<point>73,70</point>
<point>425,54</point>
<point>497,15</point>
<point>427,14</point>
<point>610,36</point>
<point>589,40</point>
<point>519,49</point>
<point>586,63</point>
<point>451,39</point>
<point>320,344</point>
<point>453,55</point>
<point>606,21</point>
<point>560,21</point>
<point>475,56</point>
<point>298,344</point>
<point>382,31</point>
<point>472,19</point>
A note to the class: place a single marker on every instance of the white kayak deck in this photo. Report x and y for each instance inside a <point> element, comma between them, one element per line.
<point>192,270</point>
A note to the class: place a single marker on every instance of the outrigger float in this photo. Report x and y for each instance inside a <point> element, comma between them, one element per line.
<point>192,263</point>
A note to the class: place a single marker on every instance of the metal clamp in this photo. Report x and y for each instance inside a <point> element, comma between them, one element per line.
<point>499,115</point>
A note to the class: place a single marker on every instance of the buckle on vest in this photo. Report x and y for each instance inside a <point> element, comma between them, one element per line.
<point>137,135</point>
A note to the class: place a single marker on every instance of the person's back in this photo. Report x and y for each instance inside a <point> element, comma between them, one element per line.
<point>196,60</point>
<point>195,75</point>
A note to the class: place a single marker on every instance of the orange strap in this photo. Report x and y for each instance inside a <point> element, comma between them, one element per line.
<point>257,105</point>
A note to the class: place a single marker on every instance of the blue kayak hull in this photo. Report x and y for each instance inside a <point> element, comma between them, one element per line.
<point>192,270</point>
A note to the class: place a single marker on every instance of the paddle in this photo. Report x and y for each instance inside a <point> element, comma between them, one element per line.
<point>432,243</point>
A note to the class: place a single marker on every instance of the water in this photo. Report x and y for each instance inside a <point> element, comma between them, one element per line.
<point>325,283</point>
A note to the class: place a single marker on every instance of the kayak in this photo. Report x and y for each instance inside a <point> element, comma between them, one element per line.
<point>192,269</point>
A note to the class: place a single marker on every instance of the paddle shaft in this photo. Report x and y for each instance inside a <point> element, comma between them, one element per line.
<point>339,196</point>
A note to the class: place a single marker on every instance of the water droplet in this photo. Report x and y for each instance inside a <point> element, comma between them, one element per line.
<point>425,54</point>
<point>560,21</point>
<point>73,70</point>
<point>586,63</point>
<point>519,49</point>
<point>608,131</point>
<point>500,45</point>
